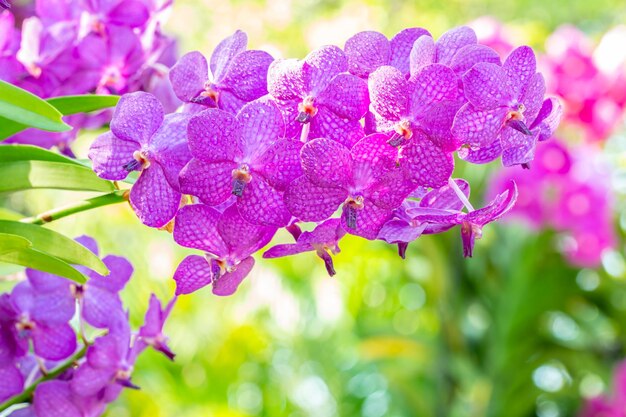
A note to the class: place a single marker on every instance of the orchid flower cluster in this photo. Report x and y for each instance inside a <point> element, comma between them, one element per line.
<point>359,140</point>
<point>40,322</point>
<point>78,46</point>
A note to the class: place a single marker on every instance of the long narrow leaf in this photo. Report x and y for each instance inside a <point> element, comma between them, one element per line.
<point>10,243</point>
<point>34,259</point>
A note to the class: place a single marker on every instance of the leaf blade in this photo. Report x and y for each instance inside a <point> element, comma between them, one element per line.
<point>40,261</point>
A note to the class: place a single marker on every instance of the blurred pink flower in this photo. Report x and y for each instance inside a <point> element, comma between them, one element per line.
<point>613,405</point>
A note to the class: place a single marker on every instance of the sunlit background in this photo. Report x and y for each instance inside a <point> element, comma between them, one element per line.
<point>514,331</point>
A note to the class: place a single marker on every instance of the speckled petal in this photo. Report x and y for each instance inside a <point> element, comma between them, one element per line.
<point>263,205</point>
<point>192,274</point>
<point>211,183</point>
<point>517,148</point>
<point>11,382</point>
<point>548,118</point>
<point>370,219</point>
<point>479,128</point>
<point>436,123</point>
<point>279,251</point>
<point>224,53</point>
<point>230,103</point>
<point>372,157</point>
<point>228,283</point>
<point>445,198</point>
<point>533,97</point>
<point>389,93</point>
<point>286,79</point>
<point>247,75</point>
<point>423,53</point>
<point>169,146</point>
<point>485,86</point>
<point>189,75</point>
<point>496,208</point>
<point>54,343</point>
<point>367,51</point>
<point>109,154</point>
<point>452,41</point>
<point>136,117</point>
<point>391,190</point>
<point>327,163</point>
<point>54,399</point>
<point>280,164</point>
<point>346,96</point>
<point>261,125</point>
<point>433,84</point>
<point>401,46</point>
<point>397,231</point>
<point>155,202</point>
<point>214,135</point>
<point>240,236</point>
<point>309,202</point>
<point>326,124</point>
<point>483,154</point>
<point>425,163</point>
<point>321,66</point>
<point>520,66</point>
<point>470,55</point>
<point>196,227</point>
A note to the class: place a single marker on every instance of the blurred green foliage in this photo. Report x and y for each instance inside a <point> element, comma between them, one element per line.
<point>512,332</point>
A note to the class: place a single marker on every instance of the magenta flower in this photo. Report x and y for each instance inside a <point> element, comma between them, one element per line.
<point>10,67</point>
<point>318,98</point>
<point>324,240</point>
<point>458,49</point>
<point>506,111</point>
<point>228,241</point>
<point>5,4</point>
<point>244,156</point>
<point>402,229</point>
<point>609,405</point>
<point>55,399</point>
<point>151,333</point>
<point>364,181</point>
<point>471,222</point>
<point>366,51</point>
<point>418,114</point>
<point>142,139</point>
<point>11,379</point>
<point>232,78</point>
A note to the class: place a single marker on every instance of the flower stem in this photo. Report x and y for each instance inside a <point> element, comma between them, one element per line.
<point>26,395</point>
<point>115,197</point>
<point>461,195</point>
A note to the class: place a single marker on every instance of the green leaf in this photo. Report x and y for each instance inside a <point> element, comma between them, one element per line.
<point>66,105</point>
<point>11,242</point>
<point>20,106</point>
<point>34,259</point>
<point>55,244</point>
<point>83,104</point>
<point>6,214</point>
<point>13,153</point>
<point>24,175</point>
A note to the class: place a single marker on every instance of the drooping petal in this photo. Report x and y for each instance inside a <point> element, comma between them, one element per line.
<point>280,251</point>
<point>425,163</point>
<point>445,198</point>
<point>517,148</point>
<point>189,75</point>
<point>401,46</point>
<point>520,66</point>
<point>228,283</point>
<point>155,202</point>
<point>485,86</point>
<point>261,204</point>
<point>346,95</point>
<point>452,41</point>
<point>214,136</point>
<point>433,84</point>
<point>321,66</point>
<point>137,117</point>
<point>210,182</point>
<point>192,274</point>
<point>478,128</point>
<point>389,93</point>
<point>54,343</point>
<point>225,51</point>
<point>398,231</point>
<point>196,227</point>
<point>54,399</point>
<point>310,202</point>
<point>496,208</point>
<point>327,163</point>
<point>247,75</point>
<point>109,154</point>
<point>367,51</point>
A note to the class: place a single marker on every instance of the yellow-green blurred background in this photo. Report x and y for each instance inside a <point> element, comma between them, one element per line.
<point>512,332</point>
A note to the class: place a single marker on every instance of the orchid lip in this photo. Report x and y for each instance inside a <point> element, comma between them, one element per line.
<point>351,207</point>
<point>140,161</point>
<point>402,133</point>
<point>306,110</point>
<point>519,126</point>
<point>241,177</point>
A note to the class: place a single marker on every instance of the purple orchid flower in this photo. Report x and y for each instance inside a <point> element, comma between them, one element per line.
<point>417,114</point>
<point>5,4</point>
<point>244,156</point>
<point>11,379</point>
<point>55,398</point>
<point>471,222</point>
<point>506,113</point>
<point>142,139</point>
<point>232,78</point>
<point>366,51</point>
<point>228,240</point>
<point>404,229</point>
<point>10,67</point>
<point>324,240</point>
<point>151,333</point>
<point>458,49</point>
<point>364,181</point>
<point>318,98</point>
